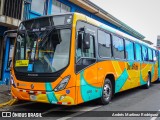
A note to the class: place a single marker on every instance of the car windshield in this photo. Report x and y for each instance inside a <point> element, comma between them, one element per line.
<point>42,51</point>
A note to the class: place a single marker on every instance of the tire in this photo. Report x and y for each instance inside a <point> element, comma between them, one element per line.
<point>148,85</point>
<point>106,92</point>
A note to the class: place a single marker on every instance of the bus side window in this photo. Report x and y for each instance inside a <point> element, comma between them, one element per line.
<point>81,51</point>
<point>144,53</point>
<point>118,47</point>
<point>138,52</point>
<point>85,56</point>
<point>104,44</point>
<point>129,50</point>
<point>10,53</point>
<point>150,56</point>
<point>155,55</point>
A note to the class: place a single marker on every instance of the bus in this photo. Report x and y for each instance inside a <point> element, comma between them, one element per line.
<point>70,58</point>
<point>158,64</point>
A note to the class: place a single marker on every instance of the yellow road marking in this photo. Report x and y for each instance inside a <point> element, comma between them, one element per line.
<point>9,103</point>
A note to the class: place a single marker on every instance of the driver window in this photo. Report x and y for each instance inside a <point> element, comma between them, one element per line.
<point>85,53</point>
<point>10,53</point>
<point>85,56</point>
<point>20,47</point>
<point>79,46</point>
<point>90,52</point>
<point>85,45</point>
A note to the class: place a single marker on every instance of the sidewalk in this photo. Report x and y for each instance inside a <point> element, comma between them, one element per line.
<point>5,96</point>
<point>4,93</point>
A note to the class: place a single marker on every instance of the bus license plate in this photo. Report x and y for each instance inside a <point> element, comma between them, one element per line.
<point>33,97</point>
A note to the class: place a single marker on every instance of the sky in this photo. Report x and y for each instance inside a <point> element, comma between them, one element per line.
<point>141,15</point>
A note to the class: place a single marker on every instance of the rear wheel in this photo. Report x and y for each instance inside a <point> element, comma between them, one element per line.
<point>148,82</point>
<point>106,92</point>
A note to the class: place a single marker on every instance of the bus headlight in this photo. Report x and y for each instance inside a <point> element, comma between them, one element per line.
<point>12,81</point>
<point>62,84</point>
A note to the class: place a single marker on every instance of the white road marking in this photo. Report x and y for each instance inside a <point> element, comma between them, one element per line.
<point>80,111</point>
<point>154,118</point>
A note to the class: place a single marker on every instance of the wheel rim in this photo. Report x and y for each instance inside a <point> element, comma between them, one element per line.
<point>107,92</point>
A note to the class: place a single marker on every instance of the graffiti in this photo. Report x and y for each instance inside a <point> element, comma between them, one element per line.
<point>132,67</point>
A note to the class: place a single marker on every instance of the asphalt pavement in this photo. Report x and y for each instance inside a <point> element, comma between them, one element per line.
<point>138,99</point>
<point>4,93</point>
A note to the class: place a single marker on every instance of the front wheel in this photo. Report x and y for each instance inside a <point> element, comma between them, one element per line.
<point>106,92</point>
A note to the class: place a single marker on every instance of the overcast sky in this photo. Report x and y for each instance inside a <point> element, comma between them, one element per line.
<point>141,15</point>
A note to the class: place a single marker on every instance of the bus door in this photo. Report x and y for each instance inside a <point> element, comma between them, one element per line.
<point>1,56</point>
<point>86,67</point>
<point>8,42</point>
<point>155,73</point>
<point>158,57</point>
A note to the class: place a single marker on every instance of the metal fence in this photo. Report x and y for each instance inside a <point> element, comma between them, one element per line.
<point>1,6</point>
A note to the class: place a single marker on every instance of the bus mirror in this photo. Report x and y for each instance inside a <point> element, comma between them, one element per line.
<point>86,41</point>
<point>80,39</point>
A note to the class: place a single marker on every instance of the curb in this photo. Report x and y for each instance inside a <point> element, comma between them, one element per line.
<point>9,103</point>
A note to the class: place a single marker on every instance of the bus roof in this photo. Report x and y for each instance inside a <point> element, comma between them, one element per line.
<point>113,30</point>
<point>98,24</point>
<point>45,16</point>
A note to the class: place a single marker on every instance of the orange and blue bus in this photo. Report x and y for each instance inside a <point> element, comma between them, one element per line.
<point>70,58</point>
<point>158,57</point>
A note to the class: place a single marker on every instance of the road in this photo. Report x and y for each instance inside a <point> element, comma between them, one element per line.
<point>137,99</point>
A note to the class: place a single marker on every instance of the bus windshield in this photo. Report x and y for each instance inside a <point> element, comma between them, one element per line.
<point>42,51</point>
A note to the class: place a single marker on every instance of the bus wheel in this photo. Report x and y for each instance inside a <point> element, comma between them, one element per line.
<point>106,92</point>
<point>148,82</point>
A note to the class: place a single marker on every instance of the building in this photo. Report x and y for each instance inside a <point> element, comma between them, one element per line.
<point>148,42</point>
<point>158,42</point>
<point>35,8</point>
<point>13,11</point>
<point>11,14</point>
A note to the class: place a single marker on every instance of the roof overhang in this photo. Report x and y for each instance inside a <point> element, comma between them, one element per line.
<point>148,42</point>
<point>9,22</point>
<point>94,9</point>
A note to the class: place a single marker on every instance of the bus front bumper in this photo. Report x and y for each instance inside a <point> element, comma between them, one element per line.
<point>64,97</point>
